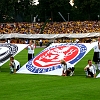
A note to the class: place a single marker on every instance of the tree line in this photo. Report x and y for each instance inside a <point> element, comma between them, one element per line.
<point>55,10</point>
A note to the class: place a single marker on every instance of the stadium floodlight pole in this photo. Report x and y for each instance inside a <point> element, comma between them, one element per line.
<point>68,16</point>
<point>62,16</point>
<point>35,18</point>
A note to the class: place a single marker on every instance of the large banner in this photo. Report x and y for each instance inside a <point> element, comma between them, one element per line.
<point>7,50</point>
<point>98,76</point>
<point>48,61</point>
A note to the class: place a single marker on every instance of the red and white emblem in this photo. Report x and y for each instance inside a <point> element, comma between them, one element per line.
<point>49,59</point>
<point>52,56</point>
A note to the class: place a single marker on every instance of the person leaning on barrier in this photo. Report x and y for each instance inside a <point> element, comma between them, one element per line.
<point>14,65</point>
<point>68,69</point>
<point>90,69</point>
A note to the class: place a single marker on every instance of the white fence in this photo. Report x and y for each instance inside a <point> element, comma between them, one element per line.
<point>48,36</point>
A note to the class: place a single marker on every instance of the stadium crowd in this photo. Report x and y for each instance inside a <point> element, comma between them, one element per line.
<point>51,27</point>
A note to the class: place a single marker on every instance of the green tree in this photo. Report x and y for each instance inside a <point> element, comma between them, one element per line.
<point>50,8</point>
<point>16,10</point>
<point>87,9</point>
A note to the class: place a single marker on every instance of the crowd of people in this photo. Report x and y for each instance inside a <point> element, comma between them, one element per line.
<point>51,27</point>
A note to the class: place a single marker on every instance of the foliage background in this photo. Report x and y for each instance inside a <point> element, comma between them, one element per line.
<point>25,10</point>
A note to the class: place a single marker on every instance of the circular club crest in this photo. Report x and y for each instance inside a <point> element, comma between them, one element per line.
<point>7,50</point>
<point>49,59</point>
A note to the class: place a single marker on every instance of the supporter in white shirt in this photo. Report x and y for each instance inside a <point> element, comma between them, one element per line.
<point>30,49</point>
<point>68,69</point>
<point>41,42</point>
<point>14,65</point>
<point>90,69</point>
<point>96,55</point>
<point>8,40</point>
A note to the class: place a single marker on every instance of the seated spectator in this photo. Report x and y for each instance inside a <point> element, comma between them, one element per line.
<point>14,65</point>
<point>68,69</point>
<point>90,69</point>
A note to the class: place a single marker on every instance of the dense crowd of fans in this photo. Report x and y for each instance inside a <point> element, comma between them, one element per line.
<point>51,27</point>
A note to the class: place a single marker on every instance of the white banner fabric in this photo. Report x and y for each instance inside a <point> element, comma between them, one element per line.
<point>98,76</point>
<point>8,49</point>
<point>48,61</point>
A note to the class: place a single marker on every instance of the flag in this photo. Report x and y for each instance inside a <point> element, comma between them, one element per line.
<point>7,50</point>
<point>48,61</point>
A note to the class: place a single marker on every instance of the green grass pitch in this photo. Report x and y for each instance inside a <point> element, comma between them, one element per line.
<point>48,87</point>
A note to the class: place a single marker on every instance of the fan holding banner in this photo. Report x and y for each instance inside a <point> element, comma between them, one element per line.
<point>30,49</point>
<point>48,60</point>
<point>96,56</point>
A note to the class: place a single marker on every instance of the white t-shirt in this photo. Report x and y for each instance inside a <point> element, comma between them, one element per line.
<point>96,49</point>
<point>15,64</point>
<point>68,65</point>
<point>40,40</point>
<point>31,50</point>
<point>92,68</point>
<point>8,41</point>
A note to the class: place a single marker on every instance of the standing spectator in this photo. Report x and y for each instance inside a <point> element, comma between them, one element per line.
<point>41,42</point>
<point>30,49</point>
<point>14,65</point>
<point>8,40</point>
<point>26,41</point>
<point>90,69</point>
<point>96,56</point>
